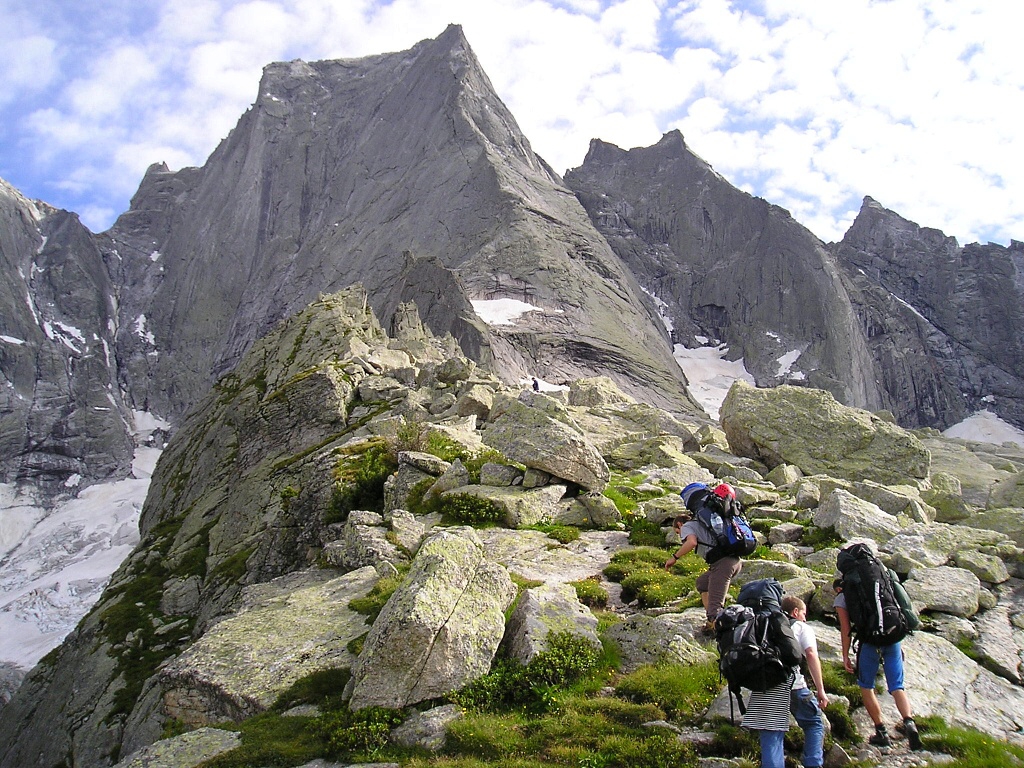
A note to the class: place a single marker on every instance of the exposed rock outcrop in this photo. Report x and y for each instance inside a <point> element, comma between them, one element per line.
<point>440,629</point>
<point>811,430</point>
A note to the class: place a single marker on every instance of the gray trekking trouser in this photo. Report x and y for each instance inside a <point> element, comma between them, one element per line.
<point>716,580</point>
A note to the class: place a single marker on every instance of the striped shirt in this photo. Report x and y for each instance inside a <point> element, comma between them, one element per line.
<point>769,710</point>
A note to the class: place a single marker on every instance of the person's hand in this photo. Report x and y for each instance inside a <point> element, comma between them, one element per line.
<point>847,664</point>
<point>822,699</point>
<point>669,563</point>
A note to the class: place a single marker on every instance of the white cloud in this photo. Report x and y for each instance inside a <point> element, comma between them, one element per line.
<point>30,64</point>
<point>812,105</point>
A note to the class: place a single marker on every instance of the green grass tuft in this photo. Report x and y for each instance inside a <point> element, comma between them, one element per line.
<point>684,692</point>
<point>590,592</point>
<point>971,749</point>
<point>371,605</point>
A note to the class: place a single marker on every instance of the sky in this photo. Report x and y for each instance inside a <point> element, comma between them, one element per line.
<point>809,104</point>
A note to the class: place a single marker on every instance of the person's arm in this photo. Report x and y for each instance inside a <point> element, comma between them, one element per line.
<point>844,631</point>
<point>814,667</point>
<point>688,545</point>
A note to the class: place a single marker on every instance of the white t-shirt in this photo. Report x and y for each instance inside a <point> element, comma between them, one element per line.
<point>805,638</point>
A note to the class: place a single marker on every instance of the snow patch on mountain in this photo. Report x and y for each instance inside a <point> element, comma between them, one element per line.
<point>986,427</point>
<point>709,374</point>
<point>54,563</point>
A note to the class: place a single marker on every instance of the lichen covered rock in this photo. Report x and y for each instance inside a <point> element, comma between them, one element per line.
<point>812,430</point>
<point>439,630</point>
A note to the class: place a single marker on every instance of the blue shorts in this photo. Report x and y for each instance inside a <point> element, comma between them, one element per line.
<point>891,659</point>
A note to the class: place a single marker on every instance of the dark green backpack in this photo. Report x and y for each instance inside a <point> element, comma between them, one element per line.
<point>877,616</point>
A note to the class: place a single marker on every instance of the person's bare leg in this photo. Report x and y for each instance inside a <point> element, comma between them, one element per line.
<point>902,703</point>
<point>874,709</point>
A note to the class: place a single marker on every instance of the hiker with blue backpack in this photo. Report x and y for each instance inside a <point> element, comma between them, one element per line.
<point>719,534</point>
<point>875,615</point>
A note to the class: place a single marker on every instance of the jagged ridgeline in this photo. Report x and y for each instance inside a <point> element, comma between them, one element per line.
<point>377,512</point>
<point>406,173</point>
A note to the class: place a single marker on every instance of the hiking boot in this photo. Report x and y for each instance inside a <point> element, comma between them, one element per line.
<point>880,737</point>
<point>913,737</point>
<point>708,630</point>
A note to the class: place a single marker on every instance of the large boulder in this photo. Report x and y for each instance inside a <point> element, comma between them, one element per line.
<point>596,391</point>
<point>543,610</point>
<point>1007,520</point>
<point>999,643</point>
<point>812,430</point>
<point>534,556</point>
<point>364,542</point>
<point>920,545</point>
<point>285,630</point>
<point>184,751</point>
<point>521,507</point>
<point>440,629</point>
<point>941,680</point>
<point>1008,492</point>
<point>852,517</point>
<point>530,435</point>
<point>945,589</point>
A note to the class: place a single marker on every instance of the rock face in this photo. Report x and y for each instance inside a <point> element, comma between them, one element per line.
<point>945,323</point>
<point>63,420</point>
<point>523,432</point>
<point>730,268</point>
<point>285,629</point>
<point>917,325</point>
<point>403,172</point>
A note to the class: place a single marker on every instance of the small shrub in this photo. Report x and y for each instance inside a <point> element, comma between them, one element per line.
<point>563,534</point>
<point>271,739</point>
<point>843,728</point>
<point>416,503</point>
<point>371,605</point>
<point>650,750</point>
<point>323,687</point>
<point>626,504</point>
<point>625,713</point>
<point>683,691</point>
<point>645,533</point>
<point>737,743</point>
<point>355,645</point>
<point>972,749</point>
<point>838,681</point>
<point>444,447</point>
<point>510,685</point>
<point>475,462</point>
<point>590,593</point>
<point>360,475</point>
<point>627,560</point>
<point>357,734</point>
<point>488,736</point>
<point>821,538</point>
<point>762,552</point>
<point>409,436</point>
<point>471,510</point>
